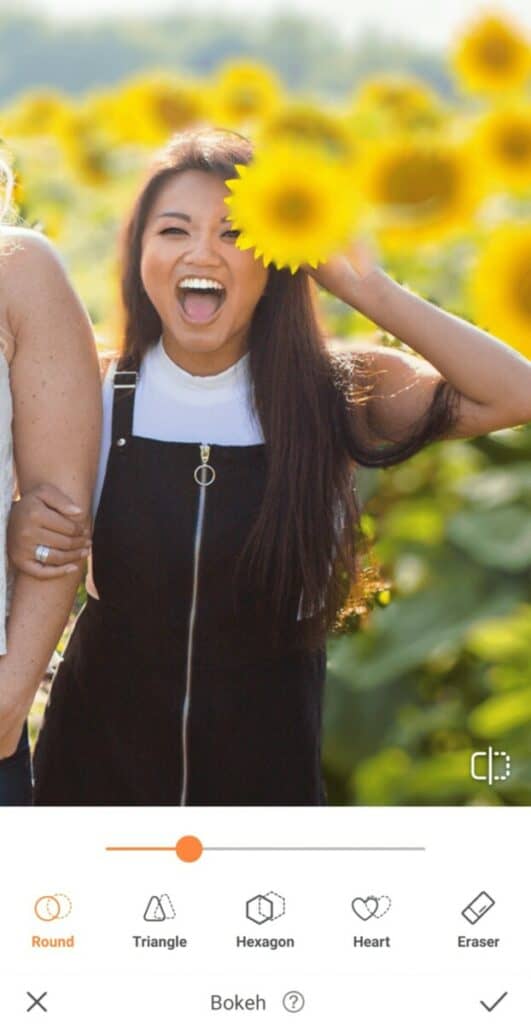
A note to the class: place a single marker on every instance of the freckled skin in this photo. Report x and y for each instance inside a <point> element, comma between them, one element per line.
<point>173,248</point>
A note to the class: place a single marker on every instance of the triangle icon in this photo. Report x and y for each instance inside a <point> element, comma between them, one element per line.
<point>154,910</point>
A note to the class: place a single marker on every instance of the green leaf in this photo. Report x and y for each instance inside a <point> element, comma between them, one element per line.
<point>499,538</point>
<point>498,486</point>
<point>405,635</point>
<point>420,521</point>
<point>501,714</point>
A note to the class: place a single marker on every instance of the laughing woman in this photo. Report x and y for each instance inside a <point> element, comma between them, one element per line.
<point>50,416</point>
<point>224,538</point>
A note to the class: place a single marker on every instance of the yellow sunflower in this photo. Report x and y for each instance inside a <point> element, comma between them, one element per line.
<point>293,205</point>
<point>104,109</point>
<point>36,113</point>
<point>492,55</point>
<point>243,92</point>
<point>421,189</point>
<point>503,138</point>
<point>500,286</point>
<point>86,147</point>
<point>398,102</point>
<point>151,107</point>
<point>303,121</point>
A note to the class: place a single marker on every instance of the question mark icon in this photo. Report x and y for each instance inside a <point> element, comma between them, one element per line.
<point>293,1002</point>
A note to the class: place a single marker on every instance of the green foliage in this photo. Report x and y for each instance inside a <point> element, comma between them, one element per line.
<point>446,668</point>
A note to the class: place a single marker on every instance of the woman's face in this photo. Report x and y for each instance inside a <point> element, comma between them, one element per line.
<point>188,252</point>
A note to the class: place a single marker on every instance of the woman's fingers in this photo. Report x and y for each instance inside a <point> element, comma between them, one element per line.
<point>47,572</point>
<point>57,500</point>
<point>32,523</point>
<point>56,557</point>
<point>42,515</point>
<point>64,553</point>
<point>58,542</point>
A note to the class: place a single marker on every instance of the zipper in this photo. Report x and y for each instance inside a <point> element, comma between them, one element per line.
<point>204,475</point>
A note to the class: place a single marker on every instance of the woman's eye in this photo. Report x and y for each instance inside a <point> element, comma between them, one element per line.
<point>233,233</point>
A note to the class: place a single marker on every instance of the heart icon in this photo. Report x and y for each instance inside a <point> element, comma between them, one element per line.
<point>372,906</point>
<point>384,905</point>
<point>365,909</point>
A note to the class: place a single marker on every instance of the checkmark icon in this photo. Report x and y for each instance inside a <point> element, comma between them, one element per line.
<point>494,1005</point>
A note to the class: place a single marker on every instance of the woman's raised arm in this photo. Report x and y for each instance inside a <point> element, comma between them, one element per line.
<point>489,379</point>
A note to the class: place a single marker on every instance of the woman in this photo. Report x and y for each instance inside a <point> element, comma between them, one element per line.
<point>46,349</point>
<point>224,537</point>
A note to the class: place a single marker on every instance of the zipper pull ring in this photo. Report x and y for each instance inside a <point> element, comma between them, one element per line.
<point>205,474</point>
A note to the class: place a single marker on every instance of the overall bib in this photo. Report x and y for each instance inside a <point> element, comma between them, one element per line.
<point>169,692</point>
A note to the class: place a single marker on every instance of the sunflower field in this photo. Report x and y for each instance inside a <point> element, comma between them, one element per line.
<point>441,666</point>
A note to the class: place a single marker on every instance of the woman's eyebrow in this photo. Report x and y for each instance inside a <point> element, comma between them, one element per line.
<point>183,216</point>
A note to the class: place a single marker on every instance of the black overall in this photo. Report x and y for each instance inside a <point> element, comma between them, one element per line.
<point>169,693</point>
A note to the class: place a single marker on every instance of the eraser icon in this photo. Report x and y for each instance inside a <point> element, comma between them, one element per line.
<point>477,909</point>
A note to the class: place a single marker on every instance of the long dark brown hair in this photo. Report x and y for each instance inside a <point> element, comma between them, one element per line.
<point>313,405</point>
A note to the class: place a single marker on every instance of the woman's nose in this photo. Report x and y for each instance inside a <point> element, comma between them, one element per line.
<point>202,250</point>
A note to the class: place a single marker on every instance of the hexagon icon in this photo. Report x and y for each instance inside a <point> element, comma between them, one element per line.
<point>265,908</point>
<point>278,903</point>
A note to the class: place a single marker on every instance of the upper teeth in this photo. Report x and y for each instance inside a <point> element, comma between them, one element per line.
<point>200,282</point>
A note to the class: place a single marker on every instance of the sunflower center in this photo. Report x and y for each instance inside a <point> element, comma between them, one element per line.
<point>245,100</point>
<point>293,207</point>
<point>311,129</point>
<point>522,287</point>
<point>395,99</point>
<point>175,112</point>
<point>418,180</point>
<point>497,52</point>
<point>516,145</point>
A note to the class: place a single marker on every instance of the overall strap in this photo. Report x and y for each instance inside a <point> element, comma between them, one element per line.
<point>124,386</point>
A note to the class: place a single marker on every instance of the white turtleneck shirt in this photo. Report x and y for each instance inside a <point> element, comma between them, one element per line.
<point>174,405</point>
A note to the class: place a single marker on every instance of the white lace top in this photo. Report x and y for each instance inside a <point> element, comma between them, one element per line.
<point>6,488</point>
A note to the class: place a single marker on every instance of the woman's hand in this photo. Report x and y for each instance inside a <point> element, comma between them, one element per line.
<point>47,516</point>
<point>344,272</point>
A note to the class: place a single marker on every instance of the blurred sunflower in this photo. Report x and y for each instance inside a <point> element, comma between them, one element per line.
<point>398,102</point>
<point>104,110</point>
<point>293,205</point>
<point>305,122</point>
<point>500,286</point>
<point>503,138</point>
<point>492,55</point>
<point>85,146</point>
<point>35,113</point>
<point>150,108</point>
<point>243,91</point>
<point>421,189</point>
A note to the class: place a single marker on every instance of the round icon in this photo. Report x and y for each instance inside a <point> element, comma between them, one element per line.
<point>293,1002</point>
<point>53,908</point>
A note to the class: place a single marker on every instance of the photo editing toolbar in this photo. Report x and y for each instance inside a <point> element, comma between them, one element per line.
<point>218,914</point>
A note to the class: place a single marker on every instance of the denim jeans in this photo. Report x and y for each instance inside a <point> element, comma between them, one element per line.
<point>15,776</point>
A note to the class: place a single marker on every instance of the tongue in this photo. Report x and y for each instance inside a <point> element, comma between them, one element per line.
<point>200,306</point>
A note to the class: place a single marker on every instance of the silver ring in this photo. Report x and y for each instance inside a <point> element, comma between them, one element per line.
<point>42,553</point>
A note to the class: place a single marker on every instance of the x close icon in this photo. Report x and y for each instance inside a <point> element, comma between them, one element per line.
<point>37,1001</point>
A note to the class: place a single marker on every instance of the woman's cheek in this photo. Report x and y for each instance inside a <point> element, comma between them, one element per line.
<point>153,267</point>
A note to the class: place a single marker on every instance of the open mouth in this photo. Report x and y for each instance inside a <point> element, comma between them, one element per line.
<point>200,299</point>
